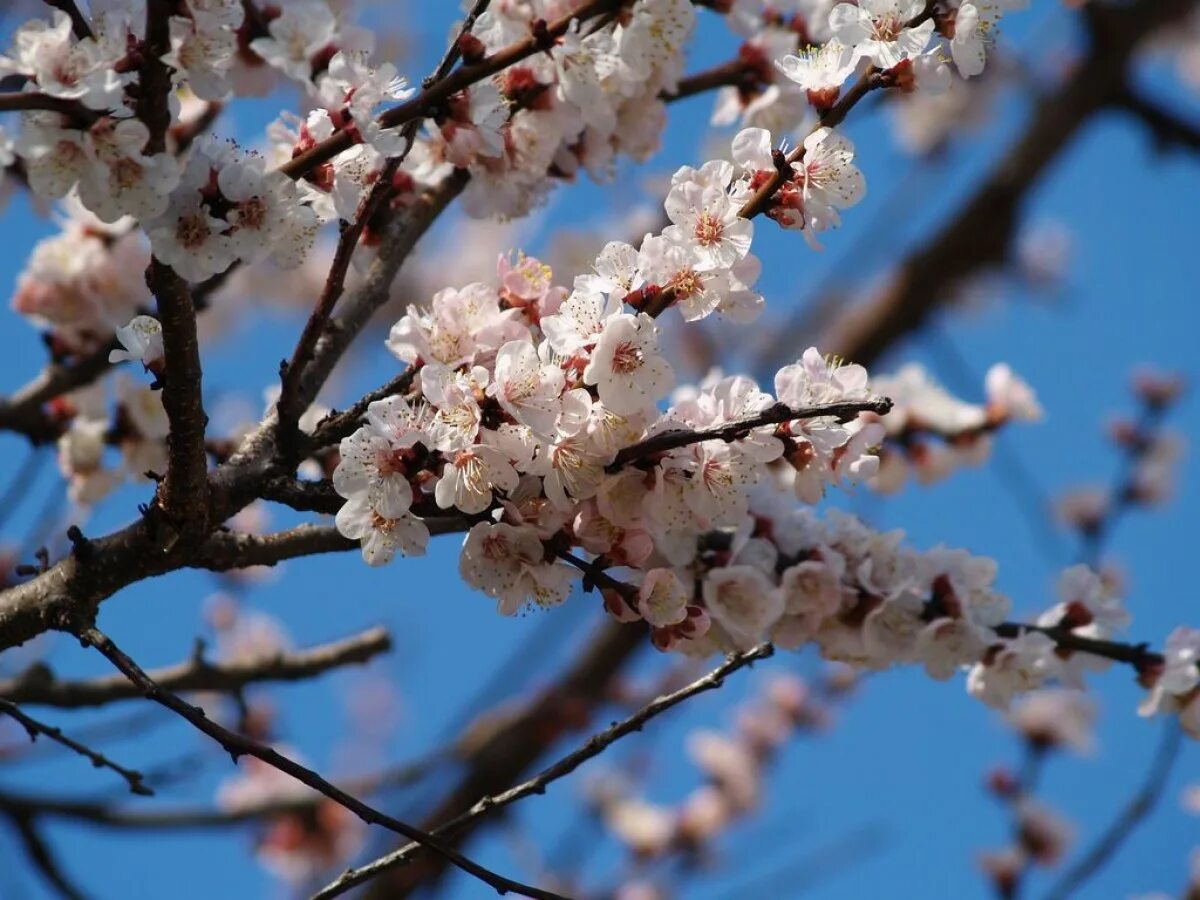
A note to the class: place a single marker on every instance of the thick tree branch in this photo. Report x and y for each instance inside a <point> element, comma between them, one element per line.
<point>593,747</point>
<point>34,729</point>
<point>184,495</point>
<point>39,685</point>
<point>238,745</point>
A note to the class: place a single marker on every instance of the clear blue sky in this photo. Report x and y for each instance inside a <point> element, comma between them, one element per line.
<point>908,755</point>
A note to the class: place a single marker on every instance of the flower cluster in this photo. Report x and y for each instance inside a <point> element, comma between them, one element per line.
<point>137,426</point>
<point>84,282</point>
<point>817,45</point>
<point>931,433</point>
<point>230,207</point>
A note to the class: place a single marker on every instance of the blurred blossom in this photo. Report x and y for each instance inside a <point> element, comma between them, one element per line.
<point>1055,718</point>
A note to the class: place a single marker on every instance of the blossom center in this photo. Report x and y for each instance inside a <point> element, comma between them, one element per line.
<point>709,229</point>
<point>627,358</point>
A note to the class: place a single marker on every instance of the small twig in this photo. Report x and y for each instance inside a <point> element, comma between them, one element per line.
<point>187,818</point>
<point>1140,656</point>
<point>731,431</point>
<point>1139,806</point>
<point>336,426</point>
<point>593,747</point>
<point>238,745</point>
<point>79,23</point>
<point>34,728</point>
<point>40,686</point>
<point>1168,128</point>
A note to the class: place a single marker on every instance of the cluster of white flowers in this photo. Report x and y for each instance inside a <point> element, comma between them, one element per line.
<point>819,44</point>
<point>84,282</point>
<point>931,433</point>
<point>137,426</point>
<point>230,207</point>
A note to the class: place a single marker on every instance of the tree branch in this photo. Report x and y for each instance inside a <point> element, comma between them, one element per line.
<point>34,728</point>
<point>1167,128</point>
<point>39,685</point>
<point>593,747</point>
<point>184,494</point>
<point>239,745</point>
<point>731,431</point>
<point>79,24</point>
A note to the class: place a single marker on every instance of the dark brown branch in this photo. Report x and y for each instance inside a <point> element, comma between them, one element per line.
<point>336,426</point>
<point>1140,805</point>
<point>397,241</point>
<point>79,115</point>
<point>225,551</point>
<point>154,86</point>
<point>34,729</point>
<point>735,73</point>
<point>79,23</point>
<point>593,747</point>
<point>238,745</point>
<point>1140,656</point>
<point>1167,128</point>
<point>731,431</point>
<point>184,493</point>
<point>289,407</point>
<point>39,685</point>
<point>185,818</point>
<point>434,96</point>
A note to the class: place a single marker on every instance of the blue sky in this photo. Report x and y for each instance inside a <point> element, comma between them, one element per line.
<point>907,757</point>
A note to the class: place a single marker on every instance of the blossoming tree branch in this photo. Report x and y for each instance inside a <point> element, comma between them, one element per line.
<point>535,415</point>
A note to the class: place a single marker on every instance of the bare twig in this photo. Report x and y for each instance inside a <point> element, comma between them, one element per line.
<point>1167,128</point>
<point>186,818</point>
<point>730,431</point>
<point>238,745</point>
<point>38,685</point>
<point>563,767</point>
<point>79,23</point>
<point>34,729</point>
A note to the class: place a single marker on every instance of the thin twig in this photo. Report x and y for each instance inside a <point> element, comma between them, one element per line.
<point>39,685</point>
<point>34,729</point>
<point>238,745</point>
<point>593,747</point>
<point>775,414</point>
